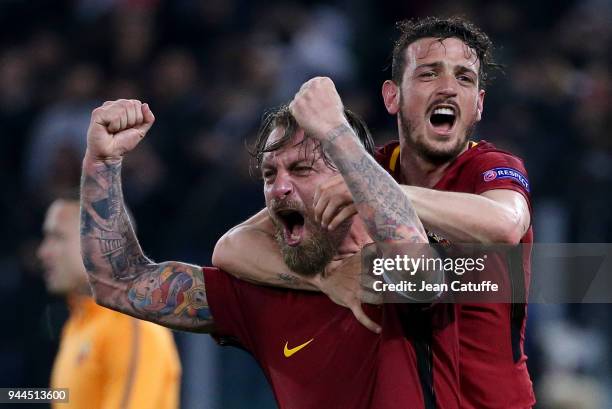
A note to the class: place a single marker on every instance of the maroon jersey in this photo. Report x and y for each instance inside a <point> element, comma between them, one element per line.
<point>315,354</point>
<point>493,365</point>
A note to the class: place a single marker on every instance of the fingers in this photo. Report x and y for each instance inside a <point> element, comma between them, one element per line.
<point>371,298</point>
<point>320,206</point>
<point>148,118</point>
<point>346,213</point>
<point>364,319</point>
<point>124,114</point>
<point>333,203</point>
<point>317,107</point>
<point>134,112</point>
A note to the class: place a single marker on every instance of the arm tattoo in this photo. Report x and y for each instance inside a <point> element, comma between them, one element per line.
<point>290,279</point>
<point>122,277</point>
<point>104,216</point>
<point>336,132</point>
<point>385,209</point>
<point>173,293</point>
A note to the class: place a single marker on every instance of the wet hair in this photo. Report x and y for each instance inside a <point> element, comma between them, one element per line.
<point>281,117</point>
<point>443,28</point>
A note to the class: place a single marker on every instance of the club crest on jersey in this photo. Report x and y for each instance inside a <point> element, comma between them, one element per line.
<point>506,173</point>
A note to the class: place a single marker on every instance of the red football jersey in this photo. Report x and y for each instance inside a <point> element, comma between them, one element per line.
<point>315,354</point>
<point>493,366</point>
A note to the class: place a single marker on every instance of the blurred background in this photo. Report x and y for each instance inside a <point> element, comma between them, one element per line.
<point>209,69</point>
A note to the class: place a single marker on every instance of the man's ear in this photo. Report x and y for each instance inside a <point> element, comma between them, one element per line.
<point>480,104</point>
<point>391,96</point>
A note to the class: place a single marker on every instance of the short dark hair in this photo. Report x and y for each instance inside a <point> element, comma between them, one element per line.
<point>443,28</point>
<point>282,117</point>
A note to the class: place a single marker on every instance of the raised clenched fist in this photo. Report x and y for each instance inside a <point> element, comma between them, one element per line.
<point>117,127</point>
<point>317,107</point>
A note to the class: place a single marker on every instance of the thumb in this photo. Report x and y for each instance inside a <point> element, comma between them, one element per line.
<point>127,140</point>
<point>364,319</point>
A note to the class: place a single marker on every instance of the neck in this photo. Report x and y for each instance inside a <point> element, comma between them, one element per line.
<point>417,171</point>
<point>354,241</point>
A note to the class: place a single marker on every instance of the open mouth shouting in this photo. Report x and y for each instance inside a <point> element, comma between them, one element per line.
<point>443,117</point>
<point>292,221</point>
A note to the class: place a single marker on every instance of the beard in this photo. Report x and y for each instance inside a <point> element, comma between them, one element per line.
<point>313,254</point>
<point>419,145</point>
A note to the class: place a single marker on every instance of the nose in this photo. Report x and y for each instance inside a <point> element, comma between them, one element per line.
<point>447,86</point>
<point>282,187</point>
<point>43,250</point>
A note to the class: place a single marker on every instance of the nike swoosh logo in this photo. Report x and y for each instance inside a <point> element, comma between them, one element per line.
<point>290,351</point>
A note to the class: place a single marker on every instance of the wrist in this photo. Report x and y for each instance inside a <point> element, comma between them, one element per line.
<point>339,139</point>
<point>92,158</point>
<point>337,135</point>
<point>333,132</point>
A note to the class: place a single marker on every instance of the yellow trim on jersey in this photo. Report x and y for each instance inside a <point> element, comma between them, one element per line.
<point>393,160</point>
<point>396,152</point>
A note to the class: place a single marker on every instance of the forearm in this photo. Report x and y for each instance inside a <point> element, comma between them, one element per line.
<point>379,200</point>
<point>466,217</point>
<point>122,278</point>
<point>250,252</point>
<point>109,246</point>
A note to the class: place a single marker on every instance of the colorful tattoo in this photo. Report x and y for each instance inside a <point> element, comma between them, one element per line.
<point>174,290</point>
<point>171,294</point>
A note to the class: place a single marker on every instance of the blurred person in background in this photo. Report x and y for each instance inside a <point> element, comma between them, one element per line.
<point>463,191</point>
<point>105,359</point>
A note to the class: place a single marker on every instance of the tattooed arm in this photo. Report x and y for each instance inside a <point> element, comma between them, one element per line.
<point>386,211</point>
<point>250,252</point>
<point>122,278</point>
<point>379,200</point>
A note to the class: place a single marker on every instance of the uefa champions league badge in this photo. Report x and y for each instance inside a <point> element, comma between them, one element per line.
<point>506,173</point>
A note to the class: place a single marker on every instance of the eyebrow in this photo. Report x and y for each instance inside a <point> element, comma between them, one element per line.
<point>463,68</point>
<point>430,65</point>
<point>438,64</point>
<point>266,165</point>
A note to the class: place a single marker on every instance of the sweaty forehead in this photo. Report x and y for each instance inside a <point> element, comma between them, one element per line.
<point>293,149</point>
<point>430,50</point>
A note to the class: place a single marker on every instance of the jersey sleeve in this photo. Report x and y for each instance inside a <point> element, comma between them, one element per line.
<point>225,296</point>
<point>499,170</point>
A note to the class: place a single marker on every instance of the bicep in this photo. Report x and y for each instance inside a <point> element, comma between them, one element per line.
<point>238,247</point>
<point>515,203</point>
<point>171,294</point>
<point>250,252</point>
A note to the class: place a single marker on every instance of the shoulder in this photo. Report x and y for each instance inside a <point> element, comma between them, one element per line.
<point>487,153</point>
<point>383,153</point>
<point>494,168</point>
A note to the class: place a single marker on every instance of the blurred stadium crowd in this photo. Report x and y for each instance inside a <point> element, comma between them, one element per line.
<point>209,69</point>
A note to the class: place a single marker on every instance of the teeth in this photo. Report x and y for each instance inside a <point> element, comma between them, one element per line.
<point>444,111</point>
